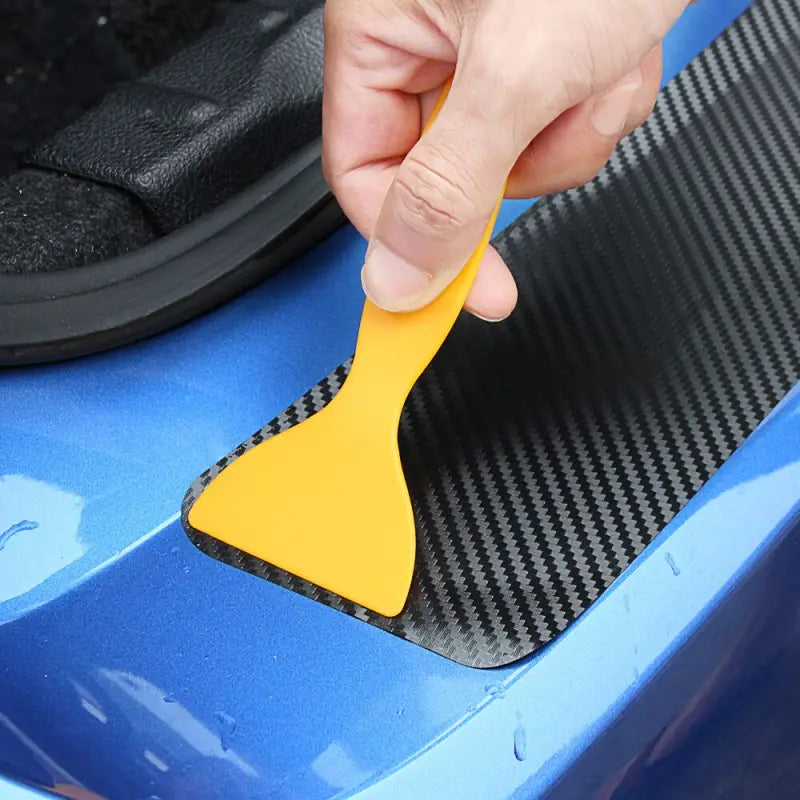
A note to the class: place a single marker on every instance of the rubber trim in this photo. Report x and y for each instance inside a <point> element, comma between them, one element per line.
<point>57,315</point>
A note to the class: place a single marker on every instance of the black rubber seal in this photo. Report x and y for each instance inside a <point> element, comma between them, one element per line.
<point>58,315</point>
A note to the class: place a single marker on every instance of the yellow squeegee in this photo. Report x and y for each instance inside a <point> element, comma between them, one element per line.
<point>327,500</point>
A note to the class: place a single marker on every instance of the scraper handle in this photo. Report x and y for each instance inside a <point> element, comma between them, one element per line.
<point>393,348</point>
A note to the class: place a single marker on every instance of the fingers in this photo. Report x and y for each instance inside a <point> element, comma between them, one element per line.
<point>371,112</point>
<point>568,153</point>
<point>645,100</point>
<point>549,115</point>
<point>494,292</point>
<point>576,146</point>
<point>438,204</point>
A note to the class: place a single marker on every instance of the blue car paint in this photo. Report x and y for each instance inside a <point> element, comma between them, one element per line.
<point>133,665</point>
<point>570,693</point>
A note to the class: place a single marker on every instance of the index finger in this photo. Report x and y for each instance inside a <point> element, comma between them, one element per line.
<point>371,101</point>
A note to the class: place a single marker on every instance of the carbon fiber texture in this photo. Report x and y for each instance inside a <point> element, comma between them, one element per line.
<point>658,323</point>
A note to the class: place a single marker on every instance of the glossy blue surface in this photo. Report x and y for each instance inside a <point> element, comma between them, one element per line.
<point>133,665</point>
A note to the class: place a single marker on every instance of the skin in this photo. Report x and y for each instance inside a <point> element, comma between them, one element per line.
<point>581,74</point>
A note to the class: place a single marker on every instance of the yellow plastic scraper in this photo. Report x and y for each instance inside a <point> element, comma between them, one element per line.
<point>326,500</point>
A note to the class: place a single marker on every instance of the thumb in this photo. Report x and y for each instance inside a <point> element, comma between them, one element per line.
<point>438,205</point>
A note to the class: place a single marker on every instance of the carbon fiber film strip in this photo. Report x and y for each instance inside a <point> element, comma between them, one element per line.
<point>659,322</point>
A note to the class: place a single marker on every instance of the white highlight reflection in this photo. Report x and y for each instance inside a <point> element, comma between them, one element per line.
<point>38,533</point>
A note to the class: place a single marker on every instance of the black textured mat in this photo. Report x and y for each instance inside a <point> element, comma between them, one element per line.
<point>59,57</point>
<point>659,322</point>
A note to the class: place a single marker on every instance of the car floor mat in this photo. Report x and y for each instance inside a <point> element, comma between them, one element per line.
<point>658,323</point>
<point>179,190</point>
<point>59,58</point>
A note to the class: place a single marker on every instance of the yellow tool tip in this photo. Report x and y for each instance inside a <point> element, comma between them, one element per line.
<point>344,525</point>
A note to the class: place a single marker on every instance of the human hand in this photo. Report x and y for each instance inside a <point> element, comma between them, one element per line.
<point>542,92</point>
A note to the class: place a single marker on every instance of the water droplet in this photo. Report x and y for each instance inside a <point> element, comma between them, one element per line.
<point>672,565</point>
<point>495,690</point>
<point>170,698</point>
<point>401,711</point>
<point>227,727</point>
<point>186,570</point>
<point>155,761</point>
<point>520,742</point>
<point>18,527</point>
<point>174,551</point>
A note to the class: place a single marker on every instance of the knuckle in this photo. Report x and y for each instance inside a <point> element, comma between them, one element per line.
<point>346,33</point>
<point>574,65</point>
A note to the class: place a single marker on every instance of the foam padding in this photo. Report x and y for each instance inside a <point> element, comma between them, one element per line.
<point>658,323</point>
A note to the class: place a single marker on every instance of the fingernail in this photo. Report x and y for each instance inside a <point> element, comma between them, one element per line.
<point>611,111</point>
<point>489,319</point>
<point>390,281</point>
